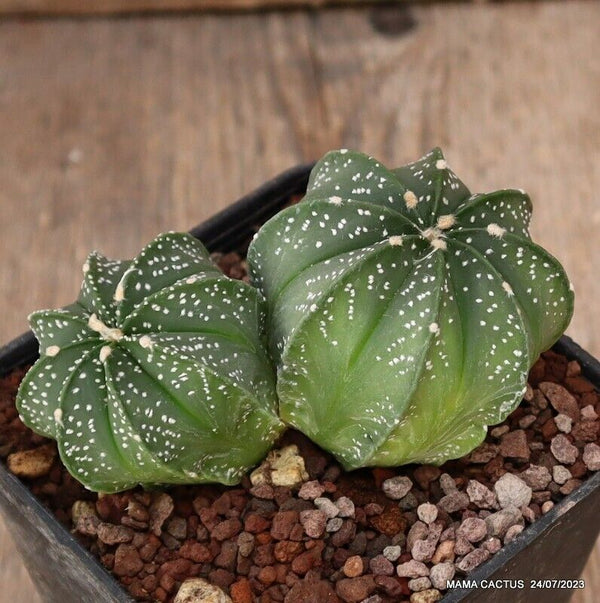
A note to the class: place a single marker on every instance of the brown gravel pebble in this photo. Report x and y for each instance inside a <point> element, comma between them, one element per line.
<point>514,445</point>
<point>536,477</point>
<point>497,523</point>
<point>282,525</point>
<point>427,513</point>
<point>512,533</point>
<point>111,534</point>
<point>440,574</point>
<point>355,590</point>
<point>397,487</point>
<point>473,559</point>
<point>512,491</point>
<point>423,550</point>
<point>227,529</point>
<point>412,569</point>
<point>493,545</point>
<point>313,522</point>
<point>455,501</point>
<point>462,546</point>
<point>127,561</point>
<point>161,508</point>
<point>591,456</point>
<point>32,463</point>
<point>380,566</point>
<point>547,506</point>
<point>346,507</point>
<point>563,450</point>
<point>327,506</point>
<point>241,591</point>
<point>426,596</point>
<point>473,529</point>
<point>444,552</point>
<point>311,490</point>
<point>353,566</point>
<point>481,495</point>
<point>561,399</point>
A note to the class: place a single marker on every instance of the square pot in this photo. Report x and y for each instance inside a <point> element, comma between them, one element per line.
<point>555,548</point>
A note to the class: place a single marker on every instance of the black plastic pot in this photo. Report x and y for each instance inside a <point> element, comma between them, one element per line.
<point>554,548</point>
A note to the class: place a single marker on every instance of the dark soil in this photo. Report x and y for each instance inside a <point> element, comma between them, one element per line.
<point>376,535</point>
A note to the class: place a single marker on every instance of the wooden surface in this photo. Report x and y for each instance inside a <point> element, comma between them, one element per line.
<point>114,130</point>
<point>95,7</point>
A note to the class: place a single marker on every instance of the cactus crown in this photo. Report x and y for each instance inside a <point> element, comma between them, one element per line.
<point>403,312</point>
<point>157,374</point>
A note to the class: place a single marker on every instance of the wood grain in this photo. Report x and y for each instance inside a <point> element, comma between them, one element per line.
<point>103,7</point>
<point>114,130</point>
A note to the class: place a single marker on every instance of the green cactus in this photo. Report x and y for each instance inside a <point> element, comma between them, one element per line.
<point>157,374</point>
<point>404,313</point>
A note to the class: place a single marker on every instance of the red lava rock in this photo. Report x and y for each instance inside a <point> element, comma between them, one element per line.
<point>390,522</point>
<point>514,445</point>
<point>282,524</point>
<point>195,551</point>
<point>160,509</point>
<point>263,555</point>
<point>137,511</point>
<point>286,550</point>
<point>355,590</point>
<point>177,568</point>
<point>241,592</point>
<point>255,524</point>
<point>563,401</point>
<point>127,561</point>
<point>227,529</point>
<point>484,453</point>
<point>267,574</point>
<point>586,431</point>
<point>305,561</point>
<point>177,527</point>
<point>312,591</point>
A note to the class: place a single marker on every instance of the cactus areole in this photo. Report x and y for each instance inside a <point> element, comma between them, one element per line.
<point>404,312</point>
<point>158,373</point>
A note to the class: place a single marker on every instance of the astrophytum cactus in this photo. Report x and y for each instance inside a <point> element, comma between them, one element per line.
<point>404,312</point>
<point>158,374</point>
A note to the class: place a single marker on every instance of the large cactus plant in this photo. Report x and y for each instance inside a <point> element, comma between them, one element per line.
<point>403,311</point>
<point>157,374</point>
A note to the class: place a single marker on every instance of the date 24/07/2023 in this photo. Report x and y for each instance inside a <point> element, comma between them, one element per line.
<point>518,584</point>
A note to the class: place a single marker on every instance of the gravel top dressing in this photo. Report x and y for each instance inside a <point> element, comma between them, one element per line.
<point>301,529</point>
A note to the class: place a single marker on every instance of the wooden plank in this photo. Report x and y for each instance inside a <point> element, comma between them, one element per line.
<point>114,130</point>
<point>102,7</point>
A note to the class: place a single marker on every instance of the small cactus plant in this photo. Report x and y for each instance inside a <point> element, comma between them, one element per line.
<point>158,374</point>
<point>404,312</point>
